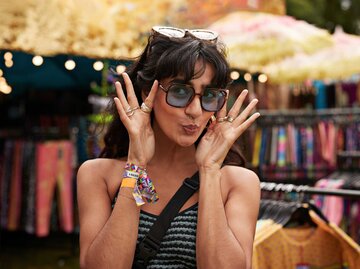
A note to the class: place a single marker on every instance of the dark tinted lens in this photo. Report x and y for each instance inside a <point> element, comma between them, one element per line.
<point>213,99</point>
<point>179,95</point>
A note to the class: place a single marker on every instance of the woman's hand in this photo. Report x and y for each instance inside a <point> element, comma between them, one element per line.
<point>222,133</point>
<point>137,122</point>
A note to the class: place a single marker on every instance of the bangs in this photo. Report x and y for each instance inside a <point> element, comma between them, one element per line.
<point>180,61</point>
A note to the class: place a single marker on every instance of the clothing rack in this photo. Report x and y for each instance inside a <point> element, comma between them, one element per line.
<point>311,112</point>
<point>291,188</point>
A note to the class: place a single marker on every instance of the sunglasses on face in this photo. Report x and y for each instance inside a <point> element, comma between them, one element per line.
<point>181,95</point>
<point>202,34</point>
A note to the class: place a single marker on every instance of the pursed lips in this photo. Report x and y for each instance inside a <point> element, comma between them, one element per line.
<point>191,128</point>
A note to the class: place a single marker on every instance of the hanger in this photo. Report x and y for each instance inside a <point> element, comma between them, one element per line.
<point>299,214</point>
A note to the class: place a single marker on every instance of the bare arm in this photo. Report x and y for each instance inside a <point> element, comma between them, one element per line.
<point>226,228</point>
<point>225,232</point>
<point>107,237</point>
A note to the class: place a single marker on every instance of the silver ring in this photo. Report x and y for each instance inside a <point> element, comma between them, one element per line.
<point>229,119</point>
<point>221,119</point>
<point>130,111</point>
<point>145,108</point>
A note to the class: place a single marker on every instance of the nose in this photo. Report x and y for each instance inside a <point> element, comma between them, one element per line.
<point>194,108</point>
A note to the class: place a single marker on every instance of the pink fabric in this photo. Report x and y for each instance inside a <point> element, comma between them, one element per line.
<point>331,206</point>
<point>54,169</point>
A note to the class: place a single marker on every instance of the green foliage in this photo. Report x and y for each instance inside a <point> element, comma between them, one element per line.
<point>327,14</point>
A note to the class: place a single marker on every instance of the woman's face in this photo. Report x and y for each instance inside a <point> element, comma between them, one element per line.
<point>183,125</point>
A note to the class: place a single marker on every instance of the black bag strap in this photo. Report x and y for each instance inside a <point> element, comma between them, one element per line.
<point>149,246</point>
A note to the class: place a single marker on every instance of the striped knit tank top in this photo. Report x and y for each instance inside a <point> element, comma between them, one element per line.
<point>178,247</point>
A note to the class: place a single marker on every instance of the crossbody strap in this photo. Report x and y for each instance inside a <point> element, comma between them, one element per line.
<point>149,246</point>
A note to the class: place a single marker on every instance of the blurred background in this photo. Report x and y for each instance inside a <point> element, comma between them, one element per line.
<point>58,62</point>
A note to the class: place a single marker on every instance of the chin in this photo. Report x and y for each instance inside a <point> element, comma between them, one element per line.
<point>188,141</point>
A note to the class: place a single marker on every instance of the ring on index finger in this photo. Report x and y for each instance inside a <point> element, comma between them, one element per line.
<point>145,108</point>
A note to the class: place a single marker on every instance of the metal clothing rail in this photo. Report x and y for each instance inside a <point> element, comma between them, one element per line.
<point>291,188</point>
<point>311,112</point>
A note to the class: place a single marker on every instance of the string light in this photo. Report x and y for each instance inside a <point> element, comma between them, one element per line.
<point>4,87</point>
<point>247,77</point>
<point>9,63</point>
<point>98,65</point>
<point>8,56</point>
<point>1,73</point>
<point>120,68</point>
<point>37,60</point>
<point>262,78</point>
<point>234,75</point>
<point>70,64</point>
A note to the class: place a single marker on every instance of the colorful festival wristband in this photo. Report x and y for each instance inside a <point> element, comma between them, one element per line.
<point>143,188</point>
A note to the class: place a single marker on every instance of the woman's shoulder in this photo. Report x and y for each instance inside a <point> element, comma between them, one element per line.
<point>97,175</point>
<point>239,177</point>
<point>104,168</point>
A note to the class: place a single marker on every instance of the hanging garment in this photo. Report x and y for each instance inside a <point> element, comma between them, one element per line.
<point>15,187</point>
<point>350,249</point>
<point>331,206</point>
<point>54,171</point>
<point>29,188</point>
<point>6,181</point>
<point>257,146</point>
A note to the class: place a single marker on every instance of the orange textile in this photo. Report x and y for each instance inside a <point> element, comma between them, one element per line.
<point>292,248</point>
<point>54,169</point>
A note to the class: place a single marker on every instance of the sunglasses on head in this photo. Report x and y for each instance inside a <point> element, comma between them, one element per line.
<point>169,31</point>
<point>181,95</point>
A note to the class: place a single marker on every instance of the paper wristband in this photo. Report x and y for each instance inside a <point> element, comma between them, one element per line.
<point>128,182</point>
<point>136,177</point>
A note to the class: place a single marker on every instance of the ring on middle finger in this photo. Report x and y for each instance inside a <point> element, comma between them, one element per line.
<point>222,119</point>
<point>229,119</point>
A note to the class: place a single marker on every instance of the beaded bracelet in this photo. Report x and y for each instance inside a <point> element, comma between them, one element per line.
<point>136,177</point>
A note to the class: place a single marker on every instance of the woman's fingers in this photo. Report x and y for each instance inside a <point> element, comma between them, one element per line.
<point>120,97</point>
<point>246,112</point>
<point>131,97</point>
<point>221,114</point>
<point>248,122</point>
<point>149,101</point>
<point>235,110</point>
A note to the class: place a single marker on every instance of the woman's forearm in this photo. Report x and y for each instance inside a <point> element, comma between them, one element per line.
<point>114,245</point>
<point>217,247</point>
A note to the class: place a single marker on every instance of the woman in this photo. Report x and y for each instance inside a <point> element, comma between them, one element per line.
<point>178,81</point>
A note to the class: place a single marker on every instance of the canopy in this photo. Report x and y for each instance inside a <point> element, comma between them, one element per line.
<point>105,28</point>
<point>255,39</point>
<point>93,28</point>
<point>339,61</point>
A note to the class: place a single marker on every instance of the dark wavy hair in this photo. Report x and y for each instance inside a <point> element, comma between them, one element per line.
<point>165,57</point>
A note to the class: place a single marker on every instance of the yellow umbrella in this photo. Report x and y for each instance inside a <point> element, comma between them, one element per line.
<point>255,39</point>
